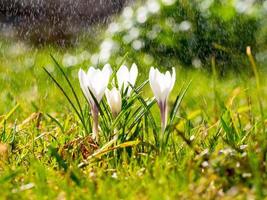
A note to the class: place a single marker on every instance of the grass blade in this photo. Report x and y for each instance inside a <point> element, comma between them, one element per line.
<point>6,117</point>
<point>177,103</point>
<point>69,83</point>
<point>56,121</point>
<point>67,97</point>
<point>174,110</point>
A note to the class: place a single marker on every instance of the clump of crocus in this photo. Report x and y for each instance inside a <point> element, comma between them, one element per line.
<point>161,85</point>
<point>124,77</point>
<point>114,101</point>
<point>94,82</point>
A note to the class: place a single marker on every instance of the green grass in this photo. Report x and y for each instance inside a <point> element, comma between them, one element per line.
<point>216,148</point>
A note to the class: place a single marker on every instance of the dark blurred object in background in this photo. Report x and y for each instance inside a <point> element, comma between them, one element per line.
<point>44,21</point>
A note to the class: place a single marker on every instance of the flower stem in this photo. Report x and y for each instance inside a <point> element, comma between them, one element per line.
<point>95,123</point>
<point>163,114</point>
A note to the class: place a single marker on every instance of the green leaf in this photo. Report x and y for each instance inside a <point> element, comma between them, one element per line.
<point>178,102</point>
<point>147,109</point>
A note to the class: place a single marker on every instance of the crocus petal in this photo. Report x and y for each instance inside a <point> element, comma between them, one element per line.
<point>99,82</point>
<point>107,70</point>
<point>95,84</point>
<point>122,77</point>
<point>107,93</point>
<point>152,78</point>
<point>133,74</point>
<point>84,85</point>
<point>165,94</point>
<point>153,83</point>
<point>91,72</point>
<point>167,80</point>
<point>114,100</point>
<point>132,77</point>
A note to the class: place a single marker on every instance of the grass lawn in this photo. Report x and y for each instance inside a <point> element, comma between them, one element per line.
<point>216,147</point>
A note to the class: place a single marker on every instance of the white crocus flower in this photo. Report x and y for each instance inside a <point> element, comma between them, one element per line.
<point>124,77</point>
<point>95,82</point>
<point>161,85</point>
<point>114,100</point>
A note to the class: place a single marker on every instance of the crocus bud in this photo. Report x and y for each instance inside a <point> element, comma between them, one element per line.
<point>124,77</point>
<point>114,100</point>
<point>161,85</point>
<point>95,81</point>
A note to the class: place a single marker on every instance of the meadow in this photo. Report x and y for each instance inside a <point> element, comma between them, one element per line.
<point>213,144</point>
<point>216,146</point>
